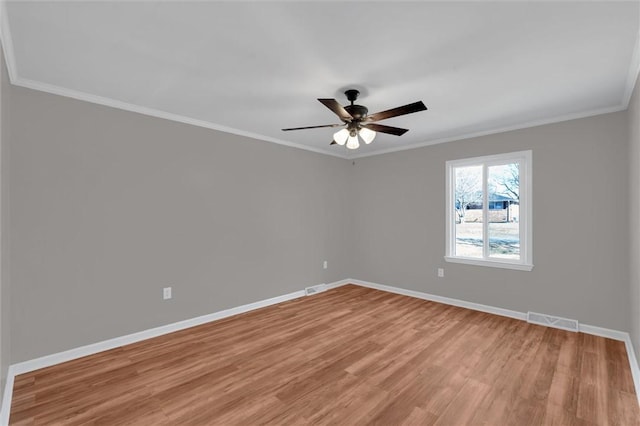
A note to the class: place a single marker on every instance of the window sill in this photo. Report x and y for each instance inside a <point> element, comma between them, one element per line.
<point>490,263</point>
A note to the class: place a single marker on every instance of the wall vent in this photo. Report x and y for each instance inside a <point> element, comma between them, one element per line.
<point>315,289</point>
<point>550,321</point>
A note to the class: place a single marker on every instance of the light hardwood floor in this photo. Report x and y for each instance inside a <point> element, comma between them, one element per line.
<point>348,356</point>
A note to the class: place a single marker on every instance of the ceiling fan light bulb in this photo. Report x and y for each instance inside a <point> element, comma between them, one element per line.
<point>340,137</point>
<point>352,142</point>
<point>367,135</point>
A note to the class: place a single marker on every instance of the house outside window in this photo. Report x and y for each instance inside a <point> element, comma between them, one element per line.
<point>489,211</point>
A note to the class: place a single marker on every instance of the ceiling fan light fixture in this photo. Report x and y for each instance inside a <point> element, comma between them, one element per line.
<point>352,142</point>
<point>358,124</point>
<point>340,137</point>
<point>367,135</point>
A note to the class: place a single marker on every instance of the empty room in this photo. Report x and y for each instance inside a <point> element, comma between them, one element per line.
<point>320,212</point>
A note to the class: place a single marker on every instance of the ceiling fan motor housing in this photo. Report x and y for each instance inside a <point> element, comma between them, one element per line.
<point>358,112</point>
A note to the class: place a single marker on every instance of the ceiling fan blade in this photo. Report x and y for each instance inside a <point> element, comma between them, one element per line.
<point>397,131</point>
<point>337,109</point>
<point>314,127</point>
<point>395,112</point>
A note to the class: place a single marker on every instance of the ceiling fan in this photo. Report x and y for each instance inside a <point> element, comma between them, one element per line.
<point>357,122</point>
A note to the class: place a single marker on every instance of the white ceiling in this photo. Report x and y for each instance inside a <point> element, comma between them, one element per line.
<point>253,68</point>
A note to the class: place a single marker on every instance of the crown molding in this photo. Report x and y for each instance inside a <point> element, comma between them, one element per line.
<point>634,71</point>
<point>528,124</point>
<point>114,103</point>
<point>7,42</point>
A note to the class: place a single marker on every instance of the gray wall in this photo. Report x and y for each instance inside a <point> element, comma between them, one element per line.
<point>634,217</point>
<point>580,175</point>
<point>5,332</point>
<point>107,207</point>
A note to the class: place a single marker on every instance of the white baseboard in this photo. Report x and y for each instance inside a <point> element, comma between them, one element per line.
<point>71,354</point>
<point>6,397</point>
<point>446,300</point>
<point>633,364</point>
<point>49,360</point>
<point>584,328</point>
<point>57,358</point>
<point>339,284</point>
<point>604,332</point>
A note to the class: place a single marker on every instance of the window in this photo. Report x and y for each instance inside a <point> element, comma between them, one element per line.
<point>489,211</point>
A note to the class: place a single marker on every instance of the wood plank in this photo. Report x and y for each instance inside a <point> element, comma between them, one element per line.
<point>351,355</point>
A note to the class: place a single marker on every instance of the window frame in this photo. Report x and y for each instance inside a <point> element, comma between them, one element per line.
<point>525,263</point>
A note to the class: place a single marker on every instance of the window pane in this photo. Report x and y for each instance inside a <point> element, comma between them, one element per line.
<point>504,227</point>
<point>468,211</point>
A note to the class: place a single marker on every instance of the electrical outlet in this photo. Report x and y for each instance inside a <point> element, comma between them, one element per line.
<point>325,265</point>
<point>440,272</point>
<point>166,293</point>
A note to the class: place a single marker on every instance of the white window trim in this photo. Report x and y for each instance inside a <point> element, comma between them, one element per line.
<point>526,210</point>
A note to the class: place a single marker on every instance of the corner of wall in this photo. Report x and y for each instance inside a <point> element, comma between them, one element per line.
<point>633,116</point>
<point>5,332</point>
